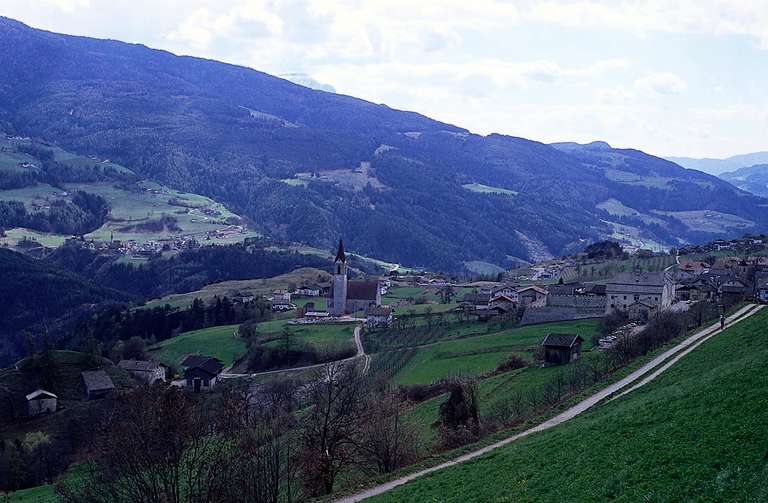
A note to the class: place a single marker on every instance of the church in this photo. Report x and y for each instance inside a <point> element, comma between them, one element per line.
<point>349,296</point>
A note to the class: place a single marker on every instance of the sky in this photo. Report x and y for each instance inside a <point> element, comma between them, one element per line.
<point>671,77</point>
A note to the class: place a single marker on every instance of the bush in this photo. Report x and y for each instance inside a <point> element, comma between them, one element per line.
<point>511,363</point>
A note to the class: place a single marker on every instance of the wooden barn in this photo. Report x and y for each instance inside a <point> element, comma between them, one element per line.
<point>561,348</point>
<point>41,402</point>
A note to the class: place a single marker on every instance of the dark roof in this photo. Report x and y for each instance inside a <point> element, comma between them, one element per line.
<point>362,290</point>
<point>206,363</point>
<point>340,255</point>
<point>378,311</point>
<point>561,340</point>
<point>138,365</point>
<point>97,380</point>
<point>477,298</point>
<point>567,289</point>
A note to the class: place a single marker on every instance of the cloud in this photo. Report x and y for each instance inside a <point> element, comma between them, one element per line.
<point>661,84</point>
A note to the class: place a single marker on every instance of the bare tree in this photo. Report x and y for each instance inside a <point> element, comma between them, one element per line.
<point>388,440</point>
<point>160,445</point>
<point>332,426</point>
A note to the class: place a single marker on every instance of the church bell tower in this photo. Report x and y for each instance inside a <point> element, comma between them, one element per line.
<point>339,282</point>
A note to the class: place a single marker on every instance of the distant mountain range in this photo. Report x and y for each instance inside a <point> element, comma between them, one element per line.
<point>309,165</point>
<point>719,166</point>
<point>753,179</point>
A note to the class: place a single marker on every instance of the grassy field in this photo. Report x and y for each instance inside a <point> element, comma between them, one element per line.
<point>487,189</point>
<point>41,494</point>
<point>218,342</point>
<point>697,433</point>
<point>221,343</point>
<point>256,286</point>
<point>477,354</point>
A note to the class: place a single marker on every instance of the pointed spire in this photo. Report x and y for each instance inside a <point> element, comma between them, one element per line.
<point>340,255</point>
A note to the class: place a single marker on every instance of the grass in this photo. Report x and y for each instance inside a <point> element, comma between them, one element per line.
<point>696,433</point>
<point>487,189</point>
<point>481,353</point>
<point>40,494</point>
<point>256,286</point>
<point>218,342</point>
<point>221,343</point>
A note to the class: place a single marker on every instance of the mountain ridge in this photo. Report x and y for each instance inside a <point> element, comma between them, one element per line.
<point>308,165</point>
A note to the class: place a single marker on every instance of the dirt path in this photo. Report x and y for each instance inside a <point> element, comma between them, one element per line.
<point>677,352</point>
<point>358,346</point>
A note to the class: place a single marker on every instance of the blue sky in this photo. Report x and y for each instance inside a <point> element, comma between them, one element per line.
<point>682,77</point>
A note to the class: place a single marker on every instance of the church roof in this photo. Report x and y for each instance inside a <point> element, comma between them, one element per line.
<point>360,290</point>
<point>340,255</point>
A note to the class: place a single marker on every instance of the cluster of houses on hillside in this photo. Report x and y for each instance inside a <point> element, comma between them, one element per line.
<point>727,280</point>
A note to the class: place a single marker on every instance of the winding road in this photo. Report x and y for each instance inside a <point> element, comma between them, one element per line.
<point>644,374</point>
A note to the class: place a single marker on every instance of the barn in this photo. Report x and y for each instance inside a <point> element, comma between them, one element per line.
<point>561,348</point>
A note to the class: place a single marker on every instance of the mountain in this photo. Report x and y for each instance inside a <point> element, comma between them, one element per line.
<point>753,179</point>
<point>719,166</point>
<point>308,165</point>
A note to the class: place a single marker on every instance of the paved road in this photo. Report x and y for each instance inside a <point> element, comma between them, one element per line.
<point>686,346</point>
<point>360,353</point>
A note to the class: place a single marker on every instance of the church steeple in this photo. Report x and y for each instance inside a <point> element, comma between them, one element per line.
<point>340,255</point>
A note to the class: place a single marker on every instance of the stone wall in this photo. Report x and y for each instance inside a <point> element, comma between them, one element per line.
<point>549,314</point>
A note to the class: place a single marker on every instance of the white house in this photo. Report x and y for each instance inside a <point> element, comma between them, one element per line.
<point>655,290</point>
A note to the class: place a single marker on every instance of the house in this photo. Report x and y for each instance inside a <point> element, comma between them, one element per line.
<point>654,289</point>
<point>476,301</point>
<point>502,302</point>
<point>732,291</point>
<point>97,384</point>
<point>379,316</point>
<point>308,291</point>
<point>506,290</point>
<point>281,300</point>
<point>41,402</point>
<point>561,348</point>
<point>144,371</point>
<point>533,295</point>
<point>201,372</point>
<point>761,286</point>
<point>243,298</point>
<point>349,296</point>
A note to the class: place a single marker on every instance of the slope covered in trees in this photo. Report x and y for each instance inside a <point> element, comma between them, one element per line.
<point>288,157</point>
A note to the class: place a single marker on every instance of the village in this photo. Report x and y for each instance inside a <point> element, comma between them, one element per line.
<point>421,333</point>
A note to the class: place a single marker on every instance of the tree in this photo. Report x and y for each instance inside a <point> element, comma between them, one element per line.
<point>388,439</point>
<point>135,349</point>
<point>331,428</point>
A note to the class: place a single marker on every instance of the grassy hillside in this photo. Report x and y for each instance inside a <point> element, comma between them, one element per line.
<point>697,433</point>
<point>221,343</point>
<point>229,288</point>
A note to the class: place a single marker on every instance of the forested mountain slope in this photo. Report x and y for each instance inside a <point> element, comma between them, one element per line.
<point>289,158</point>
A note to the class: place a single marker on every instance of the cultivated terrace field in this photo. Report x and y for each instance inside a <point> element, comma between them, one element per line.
<point>696,433</point>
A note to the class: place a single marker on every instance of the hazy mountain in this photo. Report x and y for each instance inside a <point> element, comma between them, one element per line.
<point>308,165</point>
<point>305,80</point>
<point>753,179</point>
<point>718,166</point>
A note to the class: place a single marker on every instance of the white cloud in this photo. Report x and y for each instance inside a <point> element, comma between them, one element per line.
<point>665,83</point>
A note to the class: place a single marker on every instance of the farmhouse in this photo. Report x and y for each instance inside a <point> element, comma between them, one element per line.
<point>146,372</point>
<point>561,348</point>
<point>308,290</point>
<point>378,316</point>
<point>97,384</point>
<point>348,296</point>
<point>281,300</point>
<point>201,372</point>
<point>476,301</point>
<point>532,296</point>
<point>653,289</point>
<point>41,402</point>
